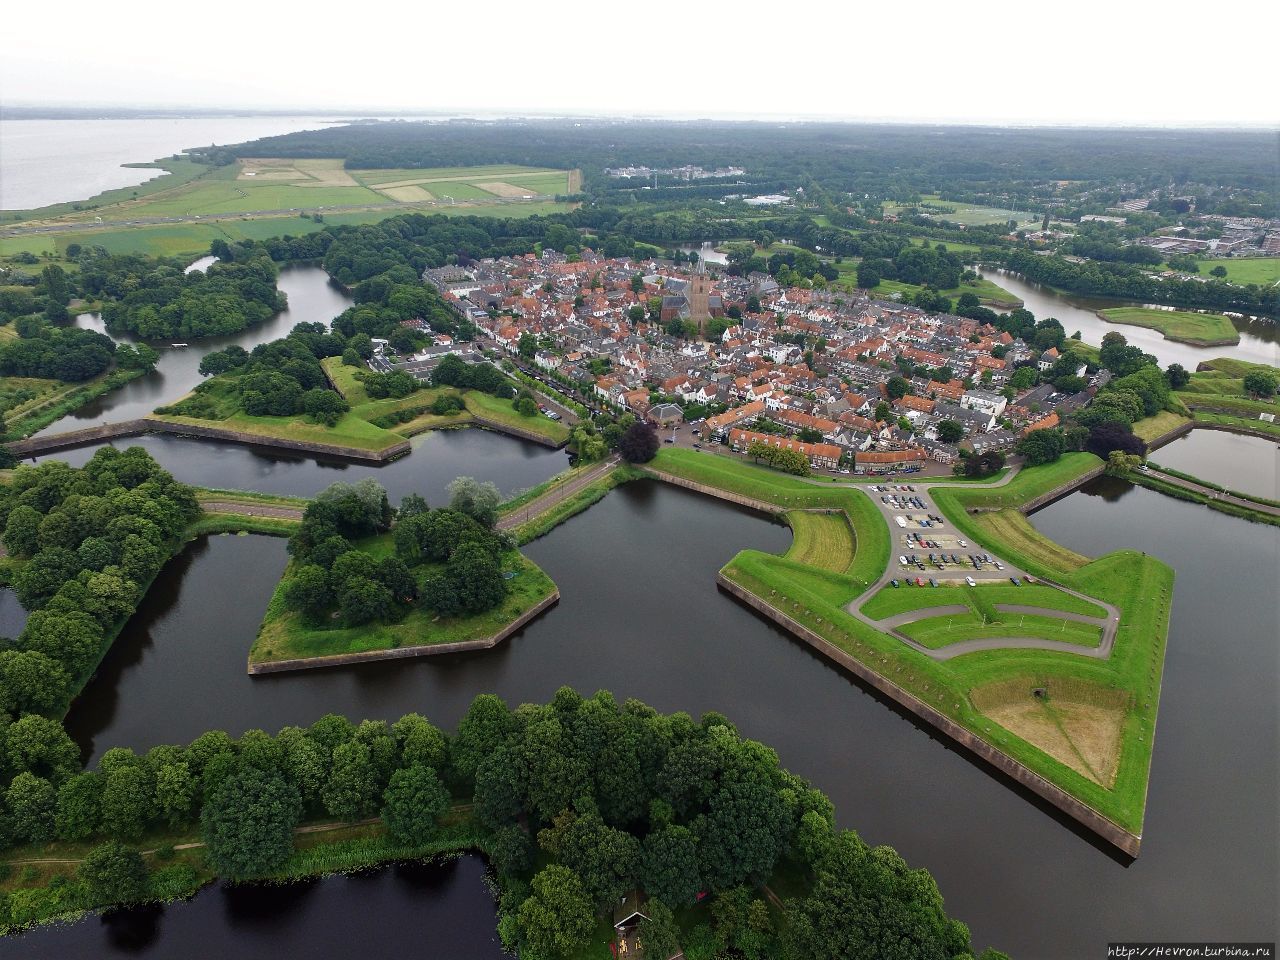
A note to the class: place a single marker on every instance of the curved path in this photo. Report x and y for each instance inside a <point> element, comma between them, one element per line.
<point>1108,624</point>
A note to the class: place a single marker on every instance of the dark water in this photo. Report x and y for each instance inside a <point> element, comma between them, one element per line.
<point>437,458</point>
<point>13,619</point>
<point>1248,464</point>
<point>1258,337</point>
<point>436,910</point>
<point>641,616</point>
<point>313,298</point>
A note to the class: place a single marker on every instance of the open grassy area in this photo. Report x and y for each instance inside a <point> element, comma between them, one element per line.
<point>969,214</point>
<point>1264,271</point>
<point>1201,329</point>
<point>938,632</point>
<point>823,540</point>
<point>285,635</point>
<point>1149,428</point>
<point>890,601</point>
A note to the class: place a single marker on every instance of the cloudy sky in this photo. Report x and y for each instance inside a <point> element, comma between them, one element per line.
<point>1089,61</point>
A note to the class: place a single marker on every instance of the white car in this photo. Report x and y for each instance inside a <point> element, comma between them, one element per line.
<point>962,543</point>
<point>902,560</point>
<point>970,581</point>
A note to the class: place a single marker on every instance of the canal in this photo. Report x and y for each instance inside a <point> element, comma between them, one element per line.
<point>640,615</point>
<point>313,298</point>
<point>1258,337</point>
<point>1242,463</point>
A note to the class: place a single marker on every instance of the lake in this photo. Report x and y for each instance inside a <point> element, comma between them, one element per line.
<point>1237,462</point>
<point>58,161</point>
<point>1258,338</point>
<point>640,615</point>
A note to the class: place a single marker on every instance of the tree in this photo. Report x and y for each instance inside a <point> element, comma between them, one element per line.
<point>1042,446</point>
<point>526,406</point>
<point>1119,463</point>
<point>352,788</point>
<point>1177,376</point>
<point>413,803</point>
<point>669,865</point>
<point>31,682</point>
<point>112,873</point>
<point>527,346</point>
<point>1219,271</point>
<point>248,822</point>
<point>950,431</point>
<point>1106,437</point>
<point>32,805</point>
<point>308,592</point>
<point>324,406</point>
<point>868,275</point>
<point>477,500</point>
<point>364,600</point>
<point>482,729</point>
<point>79,806</point>
<point>640,443</point>
<point>897,388</point>
<point>659,932</point>
<point>557,918</point>
<point>1260,383</point>
<point>128,803</point>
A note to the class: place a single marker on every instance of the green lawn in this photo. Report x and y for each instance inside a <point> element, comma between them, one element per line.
<point>1264,271</point>
<point>284,635</point>
<point>968,214</point>
<point>890,601</point>
<point>1157,426</point>
<point>942,631</point>
<point>489,407</point>
<point>491,172</point>
<point>823,540</point>
<point>1203,329</point>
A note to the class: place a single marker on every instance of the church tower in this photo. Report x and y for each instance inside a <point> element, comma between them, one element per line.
<point>698,296</point>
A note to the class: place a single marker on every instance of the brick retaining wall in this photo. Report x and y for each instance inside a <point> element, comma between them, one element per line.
<point>1083,814</point>
<point>400,653</point>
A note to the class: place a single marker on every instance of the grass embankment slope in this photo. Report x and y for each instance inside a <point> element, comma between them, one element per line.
<point>1216,394</point>
<point>1200,329</point>
<point>285,635</point>
<point>1109,702</point>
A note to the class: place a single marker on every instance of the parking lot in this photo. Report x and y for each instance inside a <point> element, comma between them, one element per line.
<point>925,548</point>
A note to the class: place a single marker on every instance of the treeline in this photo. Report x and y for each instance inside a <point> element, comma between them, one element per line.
<point>1128,282</point>
<point>56,353</point>
<point>163,301</point>
<point>89,542</point>
<point>880,159</point>
<point>577,802</point>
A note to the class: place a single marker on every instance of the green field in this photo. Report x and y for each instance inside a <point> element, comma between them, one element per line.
<point>497,171</point>
<point>1201,329</point>
<point>938,632</point>
<point>1264,271</point>
<point>890,601</point>
<point>969,214</point>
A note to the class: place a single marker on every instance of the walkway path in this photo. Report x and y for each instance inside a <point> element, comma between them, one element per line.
<point>556,495</point>
<point>1213,494</point>
<point>1108,625</point>
<point>251,509</point>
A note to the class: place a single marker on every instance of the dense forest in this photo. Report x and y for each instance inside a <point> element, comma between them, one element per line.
<point>88,543</point>
<point>575,803</point>
<point>883,160</point>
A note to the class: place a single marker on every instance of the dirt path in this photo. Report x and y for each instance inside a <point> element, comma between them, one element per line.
<point>556,495</point>
<point>251,509</point>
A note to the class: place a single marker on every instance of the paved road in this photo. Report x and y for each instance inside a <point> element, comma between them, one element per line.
<point>950,543</point>
<point>556,495</point>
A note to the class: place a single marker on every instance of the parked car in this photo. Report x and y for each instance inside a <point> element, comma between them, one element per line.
<point>970,581</point>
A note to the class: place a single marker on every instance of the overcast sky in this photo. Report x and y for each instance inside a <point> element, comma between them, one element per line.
<point>1082,62</point>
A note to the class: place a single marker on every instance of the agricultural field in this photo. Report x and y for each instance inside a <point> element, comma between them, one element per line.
<point>1201,329</point>
<point>485,183</point>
